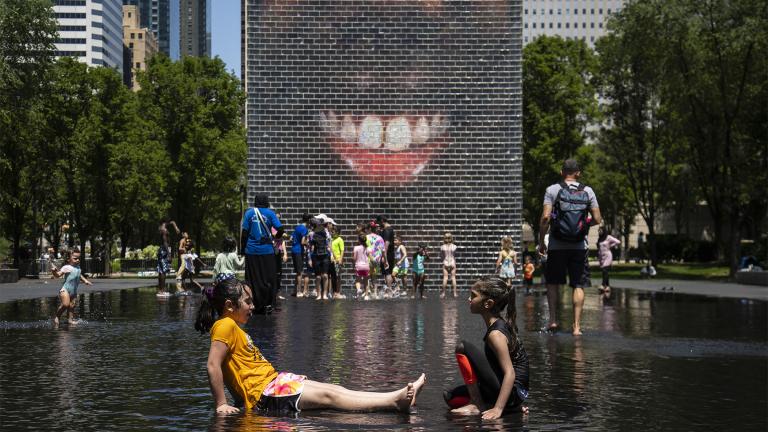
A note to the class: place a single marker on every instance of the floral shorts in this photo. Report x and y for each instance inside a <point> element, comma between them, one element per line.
<point>282,394</point>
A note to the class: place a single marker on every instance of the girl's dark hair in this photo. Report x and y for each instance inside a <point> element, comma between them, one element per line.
<point>602,234</point>
<point>228,245</point>
<point>212,305</point>
<point>68,254</point>
<point>362,240</point>
<point>503,296</point>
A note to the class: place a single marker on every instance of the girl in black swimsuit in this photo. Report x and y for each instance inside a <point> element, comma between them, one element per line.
<point>496,381</point>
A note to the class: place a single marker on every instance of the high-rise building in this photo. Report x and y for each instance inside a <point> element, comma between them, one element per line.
<point>195,28</point>
<point>160,17</point>
<point>91,31</point>
<point>571,19</point>
<point>139,44</point>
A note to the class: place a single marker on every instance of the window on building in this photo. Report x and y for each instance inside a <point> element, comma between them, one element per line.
<point>592,25</point>
<point>525,25</point>
<point>133,35</point>
<point>600,24</point>
<point>550,25</point>
<point>567,25</point>
<point>583,11</point>
<point>591,38</point>
<point>140,35</point>
<point>559,25</point>
<point>526,39</point>
<point>138,65</point>
<point>534,25</point>
<point>583,25</point>
<point>130,45</point>
<point>575,11</point>
<point>559,11</point>
<point>525,12</point>
<point>600,11</point>
<point>534,11</point>
<point>550,12</point>
<point>592,11</point>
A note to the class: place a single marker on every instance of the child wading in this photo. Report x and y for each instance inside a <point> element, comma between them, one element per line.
<point>234,361</point>
<point>496,381</point>
<point>505,264</point>
<point>419,276</point>
<point>448,253</point>
<point>68,292</point>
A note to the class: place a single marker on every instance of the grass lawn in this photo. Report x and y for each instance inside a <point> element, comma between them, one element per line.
<point>685,271</point>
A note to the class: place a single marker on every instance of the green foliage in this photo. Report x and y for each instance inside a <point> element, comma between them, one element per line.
<point>558,104</point>
<point>196,105</point>
<point>27,35</point>
<point>150,252</point>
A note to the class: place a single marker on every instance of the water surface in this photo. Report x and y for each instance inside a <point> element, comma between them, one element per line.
<point>646,361</point>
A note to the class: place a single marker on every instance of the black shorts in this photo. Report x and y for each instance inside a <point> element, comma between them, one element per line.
<point>279,405</point>
<point>298,263</point>
<point>321,264</point>
<point>562,262</point>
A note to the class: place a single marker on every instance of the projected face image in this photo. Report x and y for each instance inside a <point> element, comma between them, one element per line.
<point>389,85</point>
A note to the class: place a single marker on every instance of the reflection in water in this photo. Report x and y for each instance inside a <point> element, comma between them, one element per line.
<point>136,363</point>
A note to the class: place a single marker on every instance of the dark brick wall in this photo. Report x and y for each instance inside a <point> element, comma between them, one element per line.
<point>407,108</point>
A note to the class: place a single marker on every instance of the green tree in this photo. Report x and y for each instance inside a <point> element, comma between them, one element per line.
<point>558,104</point>
<point>641,134</point>
<point>27,35</point>
<point>704,78</point>
<point>197,106</point>
<point>717,81</point>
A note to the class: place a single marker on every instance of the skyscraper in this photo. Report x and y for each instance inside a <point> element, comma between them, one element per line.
<point>195,28</point>
<point>584,19</point>
<point>158,16</point>
<point>91,31</point>
<point>140,45</point>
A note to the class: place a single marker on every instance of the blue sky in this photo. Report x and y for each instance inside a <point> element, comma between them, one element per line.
<point>225,29</point>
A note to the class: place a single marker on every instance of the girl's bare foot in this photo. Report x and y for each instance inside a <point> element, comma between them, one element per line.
<point>56,321</point>
<point>408,397</point>
<point>576,331</point>
<point>466,410</point>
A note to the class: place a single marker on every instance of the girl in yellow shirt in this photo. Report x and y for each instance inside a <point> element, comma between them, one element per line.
<point>236,362</point>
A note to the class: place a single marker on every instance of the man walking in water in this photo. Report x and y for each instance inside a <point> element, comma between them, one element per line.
<point>164,254</point>
<point>567,205</point>
<point>258,248</point>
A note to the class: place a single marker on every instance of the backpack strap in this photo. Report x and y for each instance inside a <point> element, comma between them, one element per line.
<point>263,224</point>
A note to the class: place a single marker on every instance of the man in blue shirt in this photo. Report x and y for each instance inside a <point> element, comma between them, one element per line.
<point>297,249</point>
<point>256,245</point>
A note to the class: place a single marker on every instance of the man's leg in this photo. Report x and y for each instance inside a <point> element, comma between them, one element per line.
<point>578,305</point>
<point>553,291</point>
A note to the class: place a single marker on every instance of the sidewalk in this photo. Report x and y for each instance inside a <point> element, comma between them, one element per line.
<point>37,288</point>
<point>712,289</point>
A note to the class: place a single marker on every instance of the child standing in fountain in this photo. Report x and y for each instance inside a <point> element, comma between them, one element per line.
<point>235,362</point>
<point>496,380</point>
<point>448,252</point>
<point>227,261</point>
<point>362,267</point>
<point>400,272</point>
<point>507,261</point>
<point>68,292</point>
<point>419,275</point>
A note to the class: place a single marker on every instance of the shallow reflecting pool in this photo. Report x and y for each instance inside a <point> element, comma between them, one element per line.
<point>646,361</point>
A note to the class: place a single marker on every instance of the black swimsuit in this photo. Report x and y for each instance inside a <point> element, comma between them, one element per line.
<point>488,370</point>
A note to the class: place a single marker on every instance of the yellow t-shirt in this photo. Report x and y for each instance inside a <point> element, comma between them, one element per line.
<point>246,372</point>
<point>337,245</point>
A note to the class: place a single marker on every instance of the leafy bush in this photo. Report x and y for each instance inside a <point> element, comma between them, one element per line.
<point>149,252</point>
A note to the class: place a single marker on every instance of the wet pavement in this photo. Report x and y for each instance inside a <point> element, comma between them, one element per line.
<point>648,360</point>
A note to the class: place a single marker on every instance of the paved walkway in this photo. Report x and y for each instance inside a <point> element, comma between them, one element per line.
<point>712,289</point>
<point>37,288</point>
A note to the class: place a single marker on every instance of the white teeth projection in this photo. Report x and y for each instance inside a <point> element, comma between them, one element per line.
<point>371,130</point>
<point>348,130</point>
<point>421,131</point>
<point>398,136</point>
<point>418,169</point>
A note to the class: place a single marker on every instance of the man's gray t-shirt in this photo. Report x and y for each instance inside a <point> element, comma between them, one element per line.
<point>549,198</point>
